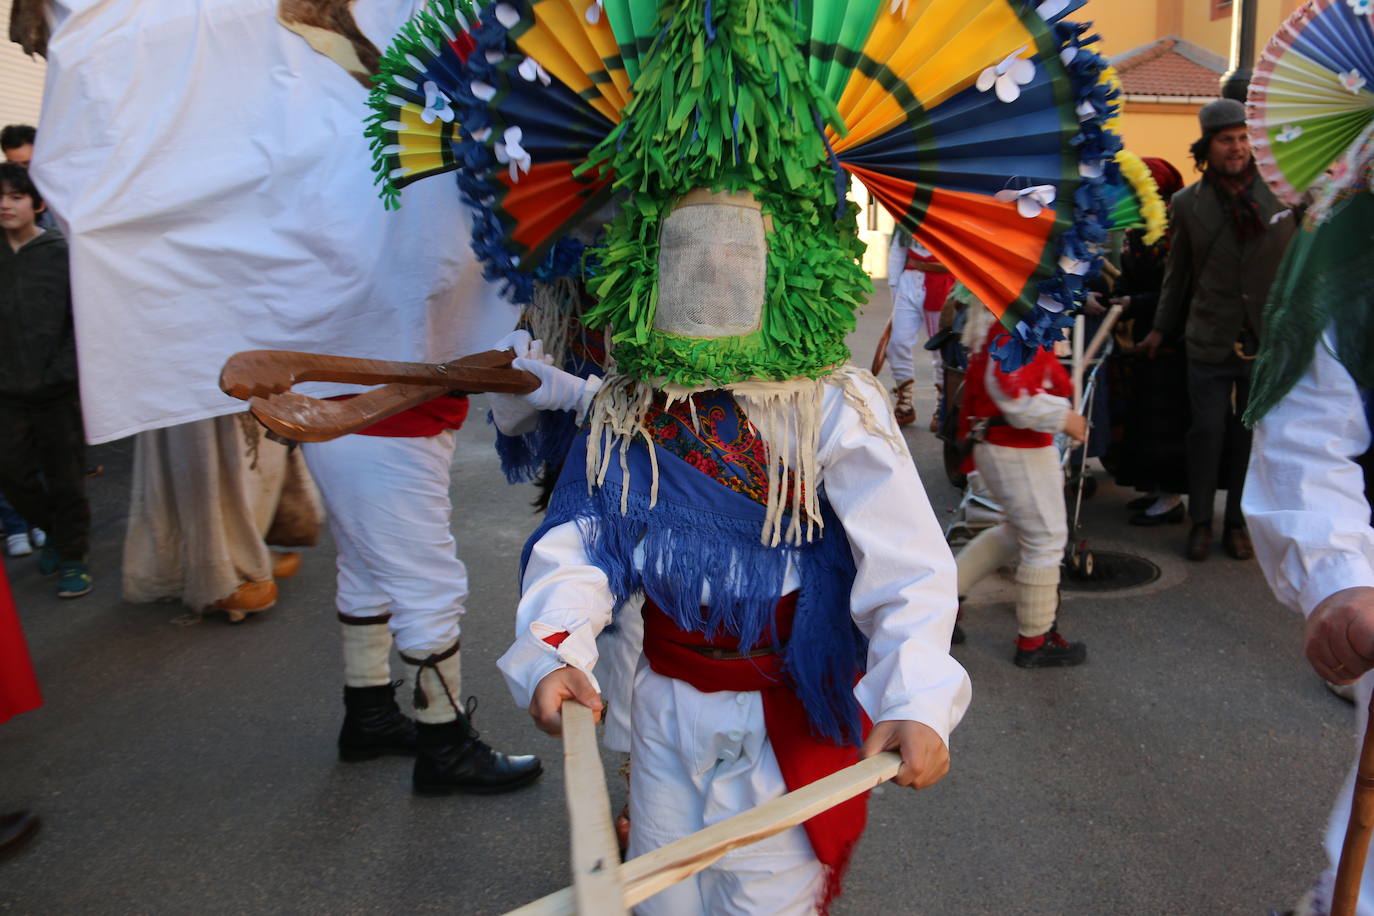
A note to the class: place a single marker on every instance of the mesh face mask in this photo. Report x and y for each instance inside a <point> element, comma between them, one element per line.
<point>712,266</point>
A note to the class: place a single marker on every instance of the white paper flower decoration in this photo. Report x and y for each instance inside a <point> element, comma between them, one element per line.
<point>437,105</point>
<point>1361,7</point>
<point>529,68</point>
<point>898,5</point>
<point>594,12</point>
<point>509,151</point>
<point>1008,77</point>
<point>1289,133</point>
<point>1353,80</point>
<point>1029,201</point>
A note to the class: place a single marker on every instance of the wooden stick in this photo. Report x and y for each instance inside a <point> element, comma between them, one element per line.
<point>880,354</point>
<point>663,867</point>
<point>1350,871</point>
<point>260,373</point>
<point>595,853</point>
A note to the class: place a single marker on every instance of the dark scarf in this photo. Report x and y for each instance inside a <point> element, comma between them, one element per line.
<point>1237,193</point>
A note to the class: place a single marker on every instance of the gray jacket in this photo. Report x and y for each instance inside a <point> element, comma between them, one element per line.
<point>1213,278</point>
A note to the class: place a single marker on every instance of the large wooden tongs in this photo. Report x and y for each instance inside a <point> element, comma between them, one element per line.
<point>264,379</point>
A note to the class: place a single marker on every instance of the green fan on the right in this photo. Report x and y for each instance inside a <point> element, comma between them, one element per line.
<point>1311,98</point>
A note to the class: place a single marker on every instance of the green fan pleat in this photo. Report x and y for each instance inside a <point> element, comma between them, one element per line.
<point>837,30</point>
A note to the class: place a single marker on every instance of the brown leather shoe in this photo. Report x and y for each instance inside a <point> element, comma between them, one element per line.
<point>285,563</point>
<point>1236,541</point>
<point>1200,542</point>
<point>17,828</point>
<point>248,598</point>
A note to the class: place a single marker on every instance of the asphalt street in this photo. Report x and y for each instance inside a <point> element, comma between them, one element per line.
<point>182,765</point>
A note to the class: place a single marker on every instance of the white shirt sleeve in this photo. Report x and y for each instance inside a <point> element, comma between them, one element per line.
<point>1041,412</point>
<point>1304,495</point>
<point>905,593</point>
<point>563,592</point>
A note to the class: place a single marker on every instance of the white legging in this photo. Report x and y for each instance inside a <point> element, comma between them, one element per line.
<point>909,318</point>
<point>390,514</point>
<point>1029,484</point>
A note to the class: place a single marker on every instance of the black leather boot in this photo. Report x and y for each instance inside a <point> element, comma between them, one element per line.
<point>374,725</point>
<point>451,759</point>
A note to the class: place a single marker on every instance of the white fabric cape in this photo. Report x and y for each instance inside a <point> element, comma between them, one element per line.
<point>211,173</point>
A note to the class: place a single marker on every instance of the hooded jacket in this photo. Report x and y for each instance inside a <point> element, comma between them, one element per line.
<point>37,337</point>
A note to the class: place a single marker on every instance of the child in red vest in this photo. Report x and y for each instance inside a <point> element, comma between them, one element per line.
<point>1013,417</point>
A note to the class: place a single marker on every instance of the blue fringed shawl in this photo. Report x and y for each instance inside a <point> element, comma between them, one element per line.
<point>702,536</point>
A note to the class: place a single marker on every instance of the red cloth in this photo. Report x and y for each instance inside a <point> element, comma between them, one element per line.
<point>938,284</point>
<point>1042,374</point>
<point>802,757</point>
<point>427,419</point>
<point>18,685</point>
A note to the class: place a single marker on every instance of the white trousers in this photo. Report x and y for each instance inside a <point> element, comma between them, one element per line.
<point>1340,816</point>
<point>1029,484</point>
<point>699,758</point>
<point>618,653</point>
<point>390,514</point>
<point>909,319</point>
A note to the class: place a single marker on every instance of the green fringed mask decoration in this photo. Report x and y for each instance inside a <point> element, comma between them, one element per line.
<point>725,106</point>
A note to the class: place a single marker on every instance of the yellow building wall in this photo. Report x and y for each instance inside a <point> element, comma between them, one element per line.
<point>1164,131</point>
<point>1128,24</point>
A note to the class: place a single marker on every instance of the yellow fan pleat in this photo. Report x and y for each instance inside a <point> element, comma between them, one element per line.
<point>558,41</point>
<point>422,145</point>
<point>603,39</point>
<point>420,161</point>
<point>937,48</point>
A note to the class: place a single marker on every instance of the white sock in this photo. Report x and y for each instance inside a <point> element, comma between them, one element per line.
<point>1037,599</point>
<point>440,684</point>
<point>366,652</point>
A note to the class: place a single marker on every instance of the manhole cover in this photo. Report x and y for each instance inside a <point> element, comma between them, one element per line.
<point>1110,571</point>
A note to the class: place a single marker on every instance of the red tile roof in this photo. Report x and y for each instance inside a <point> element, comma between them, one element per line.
<point>1170,67</point>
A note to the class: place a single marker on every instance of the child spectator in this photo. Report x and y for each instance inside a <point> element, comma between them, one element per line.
<point>42,444</point>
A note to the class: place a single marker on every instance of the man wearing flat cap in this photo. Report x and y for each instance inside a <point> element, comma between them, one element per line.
<point>1230,233</point>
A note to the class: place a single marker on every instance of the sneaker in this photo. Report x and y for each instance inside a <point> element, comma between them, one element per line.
<point>75,580</point>
<point>48,562</point>
<point>1049,651</point>
<point>38,537</point>
<point>18,544</point>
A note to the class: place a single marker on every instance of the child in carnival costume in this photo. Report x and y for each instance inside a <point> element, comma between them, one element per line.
<point>731,470</point>
<point>755,491</point>
<point>1013,417</point>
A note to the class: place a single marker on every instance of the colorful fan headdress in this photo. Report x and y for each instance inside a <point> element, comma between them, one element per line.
<point>1134,199</point>
<point>979,123</point>
<point>1311,98</point>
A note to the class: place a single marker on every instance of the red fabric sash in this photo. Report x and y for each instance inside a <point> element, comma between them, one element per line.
<point>802,757</point>
<point>18,685</point>
<point>939,281</point>
<point>421,421</point>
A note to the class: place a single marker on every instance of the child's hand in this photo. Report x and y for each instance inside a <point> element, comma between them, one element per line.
<point>925,759</point>
<point>1076,426</point>
<point>567,683</point>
